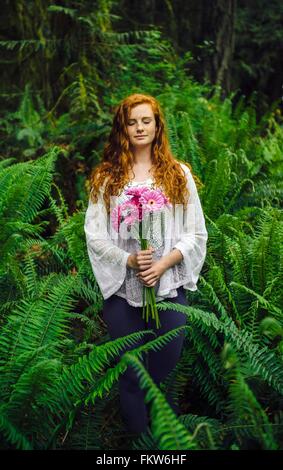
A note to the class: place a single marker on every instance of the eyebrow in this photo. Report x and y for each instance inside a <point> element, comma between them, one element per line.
<point>133,119</point>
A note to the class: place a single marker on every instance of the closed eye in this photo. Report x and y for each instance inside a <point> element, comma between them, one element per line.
<point>145,122</point>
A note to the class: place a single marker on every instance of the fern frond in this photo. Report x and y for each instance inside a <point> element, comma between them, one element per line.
<point>169,433</point>
<point>262,361</point>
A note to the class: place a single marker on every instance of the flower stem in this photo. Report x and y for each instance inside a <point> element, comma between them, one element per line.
<point>148,292</point>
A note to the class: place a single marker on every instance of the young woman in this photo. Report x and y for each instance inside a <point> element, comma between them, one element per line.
<point>138,154</point>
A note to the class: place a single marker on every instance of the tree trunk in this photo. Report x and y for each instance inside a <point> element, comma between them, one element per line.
<point>219,29</point>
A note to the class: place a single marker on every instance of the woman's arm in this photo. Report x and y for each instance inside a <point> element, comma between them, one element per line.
<point>108,261</point>
<point>193,240</point>
<point>174,257</point>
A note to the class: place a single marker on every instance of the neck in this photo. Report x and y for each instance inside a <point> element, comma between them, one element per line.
<point>142,157</point>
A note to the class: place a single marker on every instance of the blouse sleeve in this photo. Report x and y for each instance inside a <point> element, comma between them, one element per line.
<point>108,261</point>
<point>193,239</point>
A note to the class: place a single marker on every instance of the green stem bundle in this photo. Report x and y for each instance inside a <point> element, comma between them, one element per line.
<point>149,306</point>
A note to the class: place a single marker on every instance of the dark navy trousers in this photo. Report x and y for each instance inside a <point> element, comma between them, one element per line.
<point>121,320</point>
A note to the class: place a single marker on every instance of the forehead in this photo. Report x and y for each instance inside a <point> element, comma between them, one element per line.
<point>141,110</point>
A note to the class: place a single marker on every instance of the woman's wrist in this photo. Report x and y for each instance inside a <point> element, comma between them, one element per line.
<point>130,261</point>
<point>174,257</point>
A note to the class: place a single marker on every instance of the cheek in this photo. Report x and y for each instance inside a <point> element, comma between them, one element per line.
<point>130,131</point>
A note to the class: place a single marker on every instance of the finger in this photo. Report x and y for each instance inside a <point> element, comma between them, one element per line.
<point>145,260</point>
<point>148,279</point>
<point>144,268</point>
<point>144,272</point>
<point>150,284</point>
<point>149,269</point>
<point>145,252</point>
<point>144,256</point>
<point>145,263</point>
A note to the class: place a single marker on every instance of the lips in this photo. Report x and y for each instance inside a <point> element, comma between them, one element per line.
<point>140,136</point>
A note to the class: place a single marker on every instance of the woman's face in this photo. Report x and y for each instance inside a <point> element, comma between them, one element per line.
<point>141,123</point>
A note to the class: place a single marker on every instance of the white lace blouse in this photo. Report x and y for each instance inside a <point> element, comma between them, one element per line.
<point>109,252</point>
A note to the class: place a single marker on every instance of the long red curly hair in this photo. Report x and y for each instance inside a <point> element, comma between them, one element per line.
<point>117,157</point>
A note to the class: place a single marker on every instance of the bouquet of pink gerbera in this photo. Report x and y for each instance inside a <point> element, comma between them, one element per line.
<point>144,201</point>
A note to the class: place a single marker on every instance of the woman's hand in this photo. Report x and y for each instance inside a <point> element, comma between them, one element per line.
<point>149,277</point>
<point>141,260</point>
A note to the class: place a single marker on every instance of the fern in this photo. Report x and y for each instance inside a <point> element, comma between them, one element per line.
<point>262,361</point>
<point>167,430</point>
<point>244,409</point>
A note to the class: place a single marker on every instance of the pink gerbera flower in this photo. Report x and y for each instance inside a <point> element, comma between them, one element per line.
<point>152,200</point>
<point>130,219</point>
<point>116,218</point>
<point>131,210</point>
<point>136,191</point>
